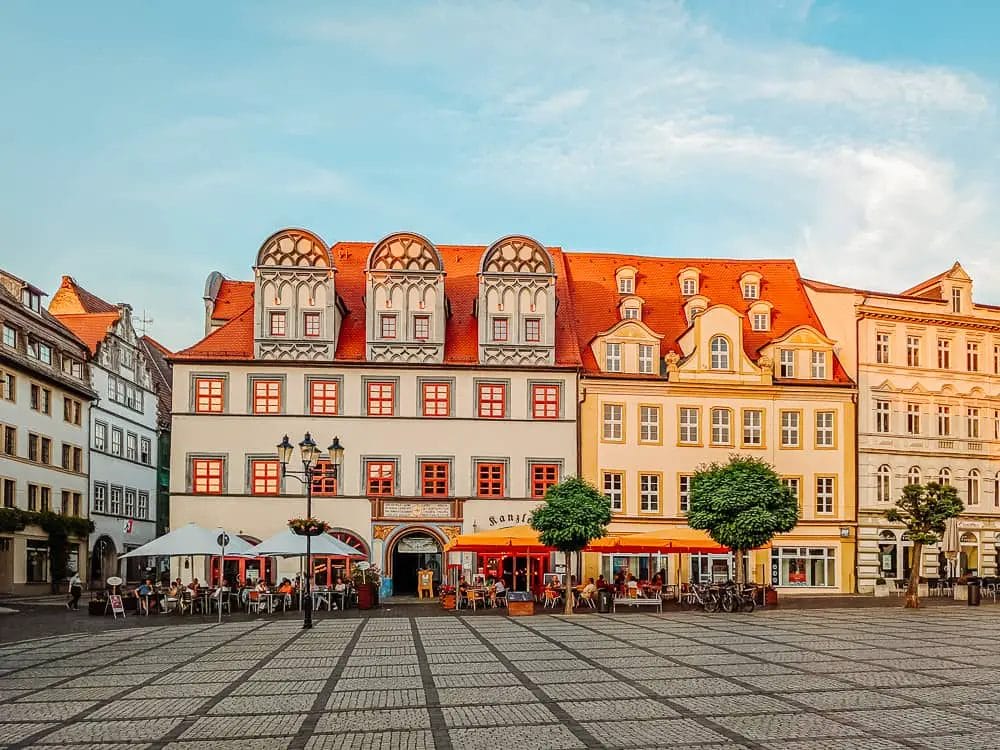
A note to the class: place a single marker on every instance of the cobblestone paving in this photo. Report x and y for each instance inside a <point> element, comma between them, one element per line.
<point>795,680</point>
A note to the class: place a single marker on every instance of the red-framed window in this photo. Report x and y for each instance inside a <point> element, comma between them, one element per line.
<point>324,483</point>
<point>533,330</point>
<point>381,478</point>
<point>265,477</point>
<point>206,476</point>
<point>434,478</point>
<point>500,329</point>
<point>208,395</point>
<point>544,401</point>
<point>323,397</point>
<point>278,323</point>
<point>388,326</point>
<point>422,327</point>
<point>381,399</point>
<point>490,479</point>
<point>492,400</point>
<point>310,324</point>
<point>266,396</point>
<point>543,476</point>
<point>437,399</point>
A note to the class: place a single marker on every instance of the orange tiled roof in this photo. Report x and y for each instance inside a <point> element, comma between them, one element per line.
<point>233,298</point>
<point>73,299</point>
<point>91,328</point>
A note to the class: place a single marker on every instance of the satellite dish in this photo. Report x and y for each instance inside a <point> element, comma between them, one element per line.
<point>114,581</point>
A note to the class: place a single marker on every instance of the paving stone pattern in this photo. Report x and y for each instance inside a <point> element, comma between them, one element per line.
<point>795,680</point>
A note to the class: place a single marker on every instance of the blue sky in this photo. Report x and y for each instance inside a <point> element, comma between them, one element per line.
<point>145,145</point>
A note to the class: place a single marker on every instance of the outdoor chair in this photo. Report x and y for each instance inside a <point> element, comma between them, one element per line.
<point>473,598</point>
<point>588,600</point>
<point>552,599</point>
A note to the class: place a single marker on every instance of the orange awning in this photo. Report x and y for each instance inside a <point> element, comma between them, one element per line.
<point>512,540</point>
<point>664,539</point>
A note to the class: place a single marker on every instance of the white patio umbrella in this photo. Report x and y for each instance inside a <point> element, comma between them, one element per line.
<point>289,544</point>
<point>950,543</point>
<point>192,540</point>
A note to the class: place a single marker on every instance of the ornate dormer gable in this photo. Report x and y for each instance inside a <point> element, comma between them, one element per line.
<point>517,303</point>
<point>629,347</point>
<point>695,306</point>
<point>750,285</point>
<point>759,315</point>
<point>802,354</point>
<point>689,279</point>
<point>953,287</point>
<point>121,353</point>
<point>630,308</point>
<point>405,300</point>
<point>712,350</point>
<point>625,279</point>
<point>296,315</point>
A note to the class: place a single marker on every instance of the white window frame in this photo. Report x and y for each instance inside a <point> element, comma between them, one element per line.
<point>688,432</point>
<point>614,490</point>
<point>649,492</point>
<point>753,429</point>
<point>826,433</point>
<point>613,356</point>
<point>722,426</point>
<point>719,353</point>
<point>826,495</point>
<point>649,424</point>
<point>613,422</point>
<point>786,363</point>
<point>882,416</point>
<point>646,359</point>
<point>818,365</point>
<point>791,426</point>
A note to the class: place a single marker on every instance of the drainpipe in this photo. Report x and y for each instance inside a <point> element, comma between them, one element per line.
<point>857,449</point>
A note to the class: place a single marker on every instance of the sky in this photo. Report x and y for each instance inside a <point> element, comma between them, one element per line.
<point>145,145</point>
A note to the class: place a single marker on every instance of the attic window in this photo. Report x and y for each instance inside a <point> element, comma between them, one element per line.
<point>32,300</point>
<point>956,299</point>
<point>694,312</point>
<point>751,290</point>
<point>761,321</point>
<point>631,313</point>
<point>626,285</point>
<point>689,287</point>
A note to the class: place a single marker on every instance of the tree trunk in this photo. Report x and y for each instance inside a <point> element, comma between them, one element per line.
<point>738,573</point>
<point>912,601</point>
<point>568,588</point>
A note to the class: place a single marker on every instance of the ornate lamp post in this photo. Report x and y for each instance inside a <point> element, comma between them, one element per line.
<point>310,454</point>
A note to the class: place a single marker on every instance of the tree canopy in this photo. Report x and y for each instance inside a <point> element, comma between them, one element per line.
<point>924,509</point>
<point>741,504</point>
<point>574,513</point>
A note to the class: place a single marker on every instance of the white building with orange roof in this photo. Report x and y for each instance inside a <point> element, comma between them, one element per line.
<point>687,361</point>
<point>927,364</point>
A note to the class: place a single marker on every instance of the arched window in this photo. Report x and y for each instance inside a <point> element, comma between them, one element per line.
<point>883,485</point>
<point>720,353</point>
<point>913,475</point>
<point>944,476</point>
<point>972,485</point>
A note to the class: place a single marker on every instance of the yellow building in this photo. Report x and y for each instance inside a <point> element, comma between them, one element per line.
<point>686,362</point>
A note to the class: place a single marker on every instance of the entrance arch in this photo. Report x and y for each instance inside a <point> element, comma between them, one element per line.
<point>103,560</point>
<point>409,550</point>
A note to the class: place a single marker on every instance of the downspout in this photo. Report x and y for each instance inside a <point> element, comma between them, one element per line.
<point>581,394</point>
<point>857,449</point>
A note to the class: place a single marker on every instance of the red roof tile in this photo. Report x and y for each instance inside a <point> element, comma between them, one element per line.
<point>233,298</point>
<point>73,299</point>
<point>90,328</point>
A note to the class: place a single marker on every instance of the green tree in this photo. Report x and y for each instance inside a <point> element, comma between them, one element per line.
<point>924,509</point>
<point>574,514</point>
<point>741,504</point>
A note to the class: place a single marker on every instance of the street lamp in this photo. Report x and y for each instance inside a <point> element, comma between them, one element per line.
<point>310,454</point>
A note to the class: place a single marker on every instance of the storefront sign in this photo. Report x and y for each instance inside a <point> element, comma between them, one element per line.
<point>117,606</point>
<point>509,519</point>
<point>416,510</point>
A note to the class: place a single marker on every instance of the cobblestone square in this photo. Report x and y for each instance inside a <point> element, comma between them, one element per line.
<point>685,680</point>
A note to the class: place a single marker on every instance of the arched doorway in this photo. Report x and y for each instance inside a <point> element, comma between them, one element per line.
<point>412,550</point>
<point>969,555</point>
<point>104,560</point>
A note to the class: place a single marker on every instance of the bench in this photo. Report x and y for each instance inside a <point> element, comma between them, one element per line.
<point>637,602</point>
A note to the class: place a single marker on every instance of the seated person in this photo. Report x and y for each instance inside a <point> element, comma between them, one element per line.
<point>499,587</point>
<point>285,587</point>
<point>194,586</point>
<point>601,583</point>
<point>590,590</point>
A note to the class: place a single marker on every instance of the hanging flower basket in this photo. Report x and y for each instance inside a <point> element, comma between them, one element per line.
<point>308,526</point>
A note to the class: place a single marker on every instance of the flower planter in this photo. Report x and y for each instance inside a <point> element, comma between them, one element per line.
<point>367,596</point>
<point>307,532</point>
<point>881,590</point>
<point>520,609</point>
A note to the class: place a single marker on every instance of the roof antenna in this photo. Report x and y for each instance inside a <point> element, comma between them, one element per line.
<point>144,323</point>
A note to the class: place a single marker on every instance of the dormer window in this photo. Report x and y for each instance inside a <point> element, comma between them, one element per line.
<point>501,329</point>
<point>694,312</point>
<point>32,300</point>
<point>818,366</point>
<point>689,287</point>
<point>751,290</point>
<point>761,321</point>
<point>387,326</point>
<point>532,330</point>
<point>421,327</point>
<point>956,299</point>
<point>278,323</point>
<point>631,313</point>
<point>613,357</point>
<point>310,324</point>
<point>626,285</point>
<point>719,349</point>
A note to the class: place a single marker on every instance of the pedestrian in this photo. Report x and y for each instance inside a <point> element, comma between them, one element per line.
<point>75,589</point>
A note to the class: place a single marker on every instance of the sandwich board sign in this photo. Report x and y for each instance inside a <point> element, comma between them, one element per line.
<point>117,607</point>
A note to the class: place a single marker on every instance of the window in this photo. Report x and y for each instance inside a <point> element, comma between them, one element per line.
<point>116,501</point>
<point>649,424</point>
<point>71,410</point>
<point>266,396</point>
<point>387,326</point>
<point>46,452</point>
<point>684,492</point>
<point>67,456</point>
<point>972,487</point>
<point>913,475</point>
<point>825,429</point>
<point>208,395</point>
<point>794,485</point>
<point>32,447</point>
<point>649,493</point>
<point>544,401</point>
<point>46,499</point>
<point>77,460</point>
<point>100,498</point>
<point>883,488</point>
<point>818,365</point>
<point>8,386</point>
<point>689,425</point>
<point>646,359</point>
<point>881,416</point>
<point>996,424</point>
<point>882,348</point>
<point>206,476</point>
<point>489,479</point>
<point>631,313</point>
<point>719,347</point>
<point>824,494</point>
<point>722,427</point>
<point>116,441</point>
<point>500,329</point>
<point>972,422</point>
<point>10,440</point>
<point>492,400</point>
<point>38,350</point>
<point>689,287</point>
<point>323,396</point>
<point>694,312</point>
<point>9,336</point>
<point>944,354</point>
<point>324,481</point>
<point>972,356</point>
<point>142,510</point>
<point>753,430</point>
<point>278,323</point>
<point>131,446</point>
<point>310,324</point>
<point>613,357</point>
<point>100,436</point>
<point>790,429</point>
<point>145,451</point>
<point>944,421</point>
<point>9,489</point>
<point>41,399</point>
<point>913,419</point>
<point>625,285</point>
<point>265,477</point>
<point>381,478</point>
<point>381,398</point>
<point>129,502</point>
<point>787,363</point>
<point>913,351</point>
<point>532,330</point>
<point>36,563</point>
<point>33,497</point>
<point>804,566</point>
<point>956,300</point>
<point>944,476</point>
<point>433,479</point>
<point>614,490</point>
<point>613,421</point>
<point>750,290</point>
<point>543,476</point>
<point>761,321</point>
<point>436,399</point>
<point>421,327</point>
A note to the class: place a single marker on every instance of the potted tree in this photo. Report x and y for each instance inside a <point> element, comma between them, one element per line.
<point>366,578</point>
<point>881,588</point>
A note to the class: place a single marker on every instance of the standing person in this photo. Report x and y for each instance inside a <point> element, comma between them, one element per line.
<point>75,589</point>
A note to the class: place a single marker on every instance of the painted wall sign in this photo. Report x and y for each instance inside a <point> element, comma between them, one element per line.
<point>416,510</point>
<point>509,519</point>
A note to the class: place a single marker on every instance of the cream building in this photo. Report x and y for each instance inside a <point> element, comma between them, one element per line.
<point>927,363</point>
<point>686,362</point>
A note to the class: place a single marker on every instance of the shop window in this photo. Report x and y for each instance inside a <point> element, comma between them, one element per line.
<point>37,561</point>
<point>804,566</point>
